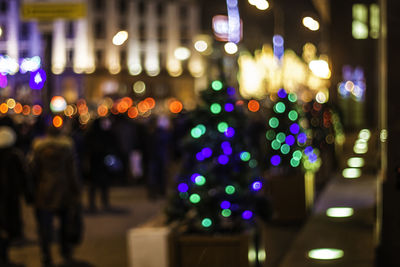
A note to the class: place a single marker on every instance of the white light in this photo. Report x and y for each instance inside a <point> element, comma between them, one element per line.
<point>57,103</point>
<point>30,64</point>
<point>8,65</point>
<point>182,53</point>
<point>262,5</point>
<point>365,134</point>
<point>139,87</point>
<point>253,2</point>
<point>1,31</point>
<point>310,23</point>
<point>135,69</point>
<point>230,48</point>
<point>325,253</point>
<point>355,162</point>
<point>201,45</point>
<point>339,212</point>
<point>361,146</point>
<point>320,68</point>
<point>262,255</point>
<point>321,98</point>
<point>38,78</point>
<point>351,173</point>
<point>120,38</point>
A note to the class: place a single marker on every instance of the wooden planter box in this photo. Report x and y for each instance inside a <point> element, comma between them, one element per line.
<point>291,196</point>
<point>216,251</point>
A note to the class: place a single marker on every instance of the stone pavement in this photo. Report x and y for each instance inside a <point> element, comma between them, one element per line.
<point>104,243</point>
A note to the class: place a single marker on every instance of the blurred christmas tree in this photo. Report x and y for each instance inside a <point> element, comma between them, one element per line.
<point>219,188</point>
<point>288,137</point>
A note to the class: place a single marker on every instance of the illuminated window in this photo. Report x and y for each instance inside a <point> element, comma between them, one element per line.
<point>360,20</point>
<point>374,21</point>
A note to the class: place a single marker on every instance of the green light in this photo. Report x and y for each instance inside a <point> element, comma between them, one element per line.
<point>206,222</point>
<point>216,85</point>
<point>195,132</point>
<point>273,122</point>
<point>294,162</point>
<point>292,97</point>
<point>270,135</point>
<point>293,115</point>
<point>325,254</point>
<point>339,212</point>
<point>202,128</point>
<point>194,198</point>
<point>285,149</point>
<point>226,212</point>
<point>230,189</point>
<point>275,144</point>
<point>215,108</point>
<point>253,163</point>
<point>279,107</point>
<point>245,156</point>
<point>281,137</point>
<point>200,180</point>
<point>297,155</point>
<point>222,126</point>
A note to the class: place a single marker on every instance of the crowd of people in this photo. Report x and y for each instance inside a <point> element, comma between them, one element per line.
<point>50,167</point>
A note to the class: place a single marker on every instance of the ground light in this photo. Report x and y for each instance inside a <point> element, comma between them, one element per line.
<point>325,253</point>
<point>339,212</point>
<point>351,173</point>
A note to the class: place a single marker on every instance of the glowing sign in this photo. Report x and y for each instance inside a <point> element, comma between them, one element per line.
<point>37,79</point>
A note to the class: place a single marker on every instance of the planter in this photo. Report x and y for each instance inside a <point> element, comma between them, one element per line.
<point>238,250</point>
<point>291,195</point>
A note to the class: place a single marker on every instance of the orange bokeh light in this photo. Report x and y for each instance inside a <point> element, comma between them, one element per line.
<point>3,108</point>
<point>239,103</point>
<point>57,121</point>
<point>18,108</point>
<point>102,110</point>
<point>122,106</point>
<point>143,106</point>
<point>26,110</point>
<point>37,110</point>
<point>253,105</point>
<point>128,101</point>
<point>133,112</point>
<point>150,102</point>
<point>175,106</point>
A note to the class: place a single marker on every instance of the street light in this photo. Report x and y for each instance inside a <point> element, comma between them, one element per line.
<point>311,23</point>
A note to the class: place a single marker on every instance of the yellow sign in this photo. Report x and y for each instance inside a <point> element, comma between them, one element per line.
<point>52,10</point>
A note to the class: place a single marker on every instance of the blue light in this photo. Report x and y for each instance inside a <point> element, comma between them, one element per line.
<point>200,156</point>
<point>278,46</point>
<point>229,107</point>
<point>290,140</point>
<point>275,160</point>
<point>247,215</point>
<point>207,152</point>
<point>182,187</point>
<point>37,79</point>
<point>282,93</point>
<point>227,151</point>
<point>294,128</point>
<point>302,138</point>
<point>223,159</point>
<point>193,177</point>
<point>257,185</point>
<point>308,150</point>
<point>225,145</point>
<point>312,158</point>
<point>231,91</point>
<point>230,132</point>
<point>225,204</point>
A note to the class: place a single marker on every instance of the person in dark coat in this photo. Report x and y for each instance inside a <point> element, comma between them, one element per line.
<point>12,184</point>
<point>56,190</point>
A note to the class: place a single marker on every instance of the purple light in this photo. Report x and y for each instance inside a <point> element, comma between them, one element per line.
<point>302,138</point>
<point>194,176</point>
<point>290,140</point>
<point>207,152</point>
<point>312,158</point>
<point>225,205</point>
<point>200,156</point>
<point>227,151</point>
<point>247,215</point>
<point>294,128</point>
<point>257,185</point>
<point>275,160</point>
<point>230,132</point>
<point>3,81</point>
<point>37,79</point>
<point>231,91</point>
<point>223,159</point>
<point>282,93</point>
<point>308,150</point>
<point>225,145</point>
<point>229,107</point>
<point>182,187</point>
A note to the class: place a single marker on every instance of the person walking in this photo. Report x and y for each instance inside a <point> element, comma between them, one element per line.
<point>12,185</point>
<point>56,192</point>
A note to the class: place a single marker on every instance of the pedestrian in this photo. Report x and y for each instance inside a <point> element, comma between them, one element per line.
<point>12,185</point>
<point>56,192</point>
